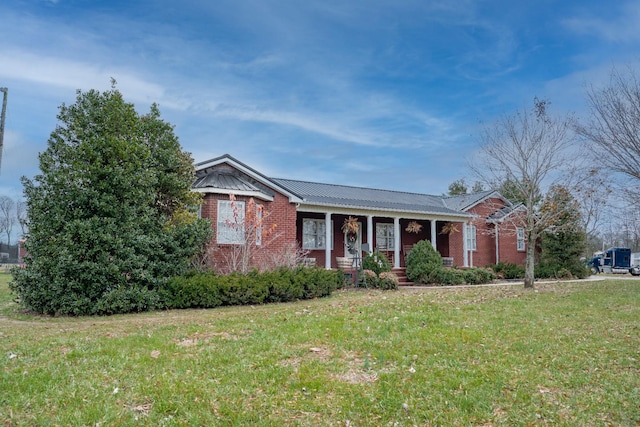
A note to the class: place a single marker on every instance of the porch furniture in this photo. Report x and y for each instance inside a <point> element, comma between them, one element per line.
<point>346,265</point>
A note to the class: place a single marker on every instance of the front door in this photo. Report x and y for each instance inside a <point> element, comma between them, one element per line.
<point>353,244</point>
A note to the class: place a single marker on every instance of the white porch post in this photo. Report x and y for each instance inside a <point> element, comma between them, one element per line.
<point>497,245</point>
<point>465,250</point>
<point>396,242</point>
<point>370,232</point>
<point>327,240</point>
<point>433,234</point>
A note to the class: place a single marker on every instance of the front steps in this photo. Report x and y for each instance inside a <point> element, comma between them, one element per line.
<point>401,272</point>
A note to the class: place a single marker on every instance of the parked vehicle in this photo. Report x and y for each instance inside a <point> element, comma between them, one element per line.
<point>634,269</point>
<point>613,260</point>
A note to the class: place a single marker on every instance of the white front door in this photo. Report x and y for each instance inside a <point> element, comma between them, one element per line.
<point>353,246</point>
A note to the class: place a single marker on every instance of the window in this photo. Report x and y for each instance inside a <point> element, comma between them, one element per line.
<point>472,243</point>
<point>384,237</point>
<point>520,238</point>
<point>230,222</point>
<point>259,209</point>
<point>314,234</point>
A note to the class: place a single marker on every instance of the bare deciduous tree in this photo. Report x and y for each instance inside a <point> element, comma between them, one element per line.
<point>528,149</point>
<point>7,216</point>
<point>613,126</point>
<point>592,190</point>
<point>21,216</point>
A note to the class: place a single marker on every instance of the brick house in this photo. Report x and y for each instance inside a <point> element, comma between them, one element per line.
<point>469,230</point>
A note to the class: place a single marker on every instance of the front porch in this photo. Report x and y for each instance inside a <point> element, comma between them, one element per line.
<point>393,236</point>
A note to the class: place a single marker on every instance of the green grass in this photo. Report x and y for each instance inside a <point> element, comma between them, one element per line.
<point>566,354</point>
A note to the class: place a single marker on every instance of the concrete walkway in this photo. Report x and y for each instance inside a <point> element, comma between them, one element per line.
<point>594,278</point>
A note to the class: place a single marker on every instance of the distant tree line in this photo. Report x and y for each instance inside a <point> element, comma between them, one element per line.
<point>13,219</point>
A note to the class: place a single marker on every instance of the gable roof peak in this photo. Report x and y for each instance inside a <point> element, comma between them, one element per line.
<point>463,202</point>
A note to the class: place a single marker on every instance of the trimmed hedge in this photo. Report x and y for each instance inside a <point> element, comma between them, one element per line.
<point>506,270</point>
<point>208,290</point>
<point>455,276</point>
<point>424,265</point>
<point>386,280</point>
<point>547,270</point>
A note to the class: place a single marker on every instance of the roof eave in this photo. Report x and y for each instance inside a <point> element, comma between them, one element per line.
<point>226,158</point>
<point>310,207</point>
<point>257,194</point>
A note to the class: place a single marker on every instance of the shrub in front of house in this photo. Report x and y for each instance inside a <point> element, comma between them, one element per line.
<point>447,276</point>
<point>369,279</point>
<point>505,270</point>
<point>549,270</point>
<point>376,262</point>
<point>194,290</point>
<point>388,280</point>
<point>424,265</point>
<point>422,262</point>
<point>478,276</point>
<point>127,299</point>
<point>208,290</point>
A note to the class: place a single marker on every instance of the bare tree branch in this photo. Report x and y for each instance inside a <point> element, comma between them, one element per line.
<point>529,149</point>
<point>613,127</point>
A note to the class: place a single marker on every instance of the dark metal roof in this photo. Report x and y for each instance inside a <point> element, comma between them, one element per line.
<point>465,201</point>
<point>224,180</point>
<point>366,198</point>
<point>504,212</point>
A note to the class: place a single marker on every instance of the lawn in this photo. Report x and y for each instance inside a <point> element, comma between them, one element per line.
<point>566,354</point>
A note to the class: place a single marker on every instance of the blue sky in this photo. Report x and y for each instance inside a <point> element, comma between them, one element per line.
<point>376,93</point>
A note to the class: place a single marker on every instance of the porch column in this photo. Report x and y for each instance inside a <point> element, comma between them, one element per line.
<point>433,234</point>
<point>370,232</point>
<point>465,251</point>
<point>327,241</point>
<point>497,245</point>
<point>396,242</point>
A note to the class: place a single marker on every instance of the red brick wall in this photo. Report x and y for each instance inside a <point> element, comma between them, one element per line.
<point>279,216</point>
<point>456,247</point>
<point>486,239</point>
<point>508,244</point>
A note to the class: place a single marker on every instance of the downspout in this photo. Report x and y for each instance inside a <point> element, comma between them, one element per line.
<point>465,251</point>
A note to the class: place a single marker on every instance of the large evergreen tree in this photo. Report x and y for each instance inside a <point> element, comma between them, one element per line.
<point>565,243</point>
<point>109,216</point>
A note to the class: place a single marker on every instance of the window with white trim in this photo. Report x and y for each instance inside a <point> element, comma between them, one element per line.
<point>520,238</point>
<point>472,243</point>
<point>230,222</point>
<point>314,233</point>
<point>259,209</point>
<point>385,240</point>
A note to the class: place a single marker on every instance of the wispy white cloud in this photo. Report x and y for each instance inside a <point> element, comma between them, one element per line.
<point>70,74</point>
<point>621,28</point>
